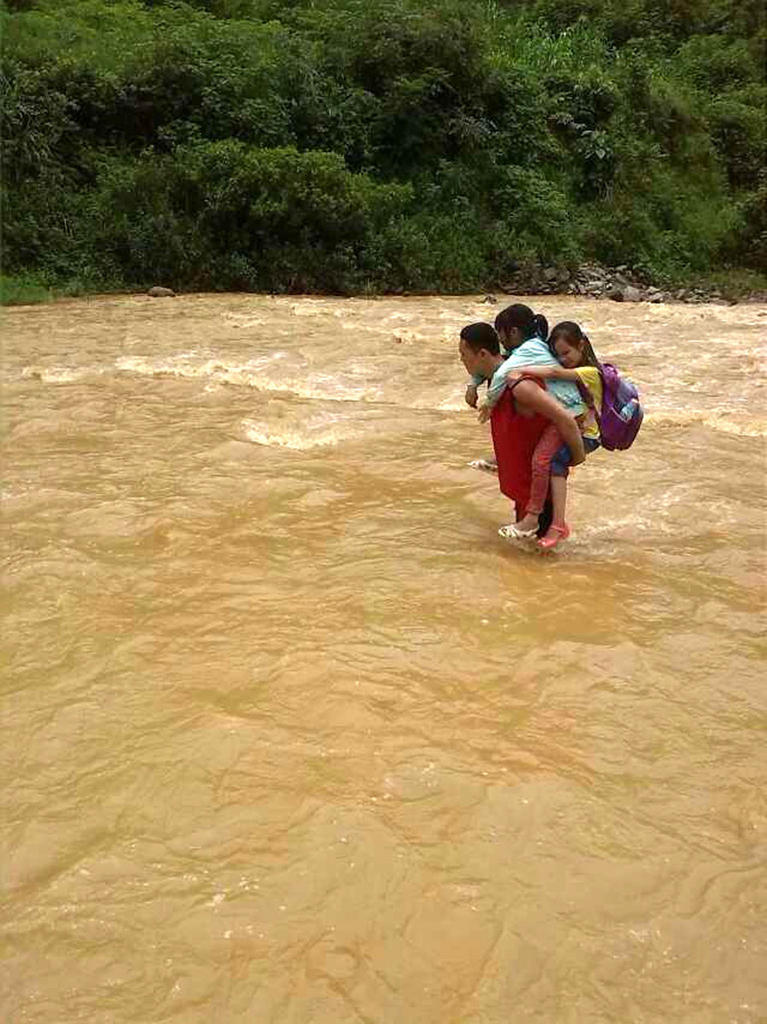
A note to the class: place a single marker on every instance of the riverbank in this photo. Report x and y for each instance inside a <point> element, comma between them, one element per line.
<point>589,280</point>
<point>623,284</point>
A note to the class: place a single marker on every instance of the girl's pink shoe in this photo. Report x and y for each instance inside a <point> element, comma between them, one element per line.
<point>554,535</point>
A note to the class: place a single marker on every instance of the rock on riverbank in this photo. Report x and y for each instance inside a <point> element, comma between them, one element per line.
<point>620,284</point>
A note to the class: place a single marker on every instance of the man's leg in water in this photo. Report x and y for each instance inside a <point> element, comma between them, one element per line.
<point>545,518</point>
<point>488,465</point>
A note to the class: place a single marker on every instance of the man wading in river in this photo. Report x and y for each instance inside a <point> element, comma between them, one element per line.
<point>520,416</point>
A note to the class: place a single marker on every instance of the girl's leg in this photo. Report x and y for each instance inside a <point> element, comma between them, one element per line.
<point>550,442</point>
<point>558,529</point>
<point>558,499</point>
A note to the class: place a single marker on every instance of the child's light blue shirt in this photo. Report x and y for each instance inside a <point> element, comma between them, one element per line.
<point>534,352</point>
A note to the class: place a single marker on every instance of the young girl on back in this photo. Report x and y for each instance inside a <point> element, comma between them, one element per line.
<point>551,459</point>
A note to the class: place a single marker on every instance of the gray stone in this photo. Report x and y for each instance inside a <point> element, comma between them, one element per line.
<point>491,299</point>
<point>161,293</point>
<point>627,294</point>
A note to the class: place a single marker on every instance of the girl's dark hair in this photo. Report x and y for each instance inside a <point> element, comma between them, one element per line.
<point>573,335</point>
<point>529,323</point>
<point>479,336</point>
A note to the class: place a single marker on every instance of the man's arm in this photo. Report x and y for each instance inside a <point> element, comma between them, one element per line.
<point>534,398</point>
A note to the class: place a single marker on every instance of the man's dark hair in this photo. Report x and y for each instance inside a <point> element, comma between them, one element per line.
<point>479,336</point>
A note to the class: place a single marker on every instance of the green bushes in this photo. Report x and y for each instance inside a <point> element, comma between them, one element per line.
<point>225,215</point>
<point>330,146</point>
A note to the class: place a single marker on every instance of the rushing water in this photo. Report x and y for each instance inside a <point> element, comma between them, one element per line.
<point>292,737</point>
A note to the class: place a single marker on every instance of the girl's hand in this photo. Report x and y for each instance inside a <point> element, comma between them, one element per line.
<point>484,413</point>
<point>471,396</point>
<point>514,375</point>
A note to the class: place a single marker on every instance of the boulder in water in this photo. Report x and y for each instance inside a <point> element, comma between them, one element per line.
<point>627,294</point>
<point>161,293</point>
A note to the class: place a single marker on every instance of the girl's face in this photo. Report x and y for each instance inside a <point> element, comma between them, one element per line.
<point>569,354</point>
<point>511,338</point>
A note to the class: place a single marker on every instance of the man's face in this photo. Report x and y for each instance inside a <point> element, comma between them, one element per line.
<point>469,357</point>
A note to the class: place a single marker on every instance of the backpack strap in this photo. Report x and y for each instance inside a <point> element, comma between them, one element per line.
<point>585,394</point>
<point>588,398</point>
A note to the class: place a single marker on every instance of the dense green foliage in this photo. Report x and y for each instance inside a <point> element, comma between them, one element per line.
<point>349,145</point>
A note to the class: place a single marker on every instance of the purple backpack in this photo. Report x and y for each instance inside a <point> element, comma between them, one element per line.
<point>621,415</point>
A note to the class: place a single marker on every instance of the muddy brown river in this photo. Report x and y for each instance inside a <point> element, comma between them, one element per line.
<point>291,736</point>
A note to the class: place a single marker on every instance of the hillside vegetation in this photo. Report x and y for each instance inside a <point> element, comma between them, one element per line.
<point>357,146</point>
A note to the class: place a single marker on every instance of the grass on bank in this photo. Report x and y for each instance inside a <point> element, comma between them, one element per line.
<point>733,283</point>
<point>23,291</point>
<point>29,290</point>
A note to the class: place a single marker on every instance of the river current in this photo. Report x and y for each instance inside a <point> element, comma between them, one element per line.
<point>291,736</point>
